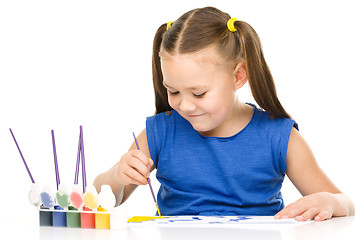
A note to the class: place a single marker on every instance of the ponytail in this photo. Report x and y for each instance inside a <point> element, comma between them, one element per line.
<point>161,96</point>
<point>260,79</point>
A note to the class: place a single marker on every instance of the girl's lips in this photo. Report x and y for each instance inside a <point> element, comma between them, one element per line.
<point>193,116</point>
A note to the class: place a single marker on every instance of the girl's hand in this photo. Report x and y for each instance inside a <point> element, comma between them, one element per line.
<point>134,168</point>
<point>318,206</point>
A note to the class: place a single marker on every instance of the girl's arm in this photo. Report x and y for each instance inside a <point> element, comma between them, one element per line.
<point>321,198</point>
<point>132,170</point>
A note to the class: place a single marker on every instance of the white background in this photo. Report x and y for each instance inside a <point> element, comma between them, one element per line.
<point>69,63</point>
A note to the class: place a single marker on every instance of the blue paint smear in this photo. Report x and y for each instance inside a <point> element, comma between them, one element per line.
<point>47,200</point>
<point>243,218</point>
<point>56,207</point>
<point>182,220</point>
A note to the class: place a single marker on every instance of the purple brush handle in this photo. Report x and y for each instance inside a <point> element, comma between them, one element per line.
<point>137,145</point>
<point>26,166</point>
<point>78,157</point>
<point>148,179</point>
<point>83,162</point>
<point>151,189</point>
<point>55,161</point>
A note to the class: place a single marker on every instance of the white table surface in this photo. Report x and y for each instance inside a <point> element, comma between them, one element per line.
<point>26,226</point>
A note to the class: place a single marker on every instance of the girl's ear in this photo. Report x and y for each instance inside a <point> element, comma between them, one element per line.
<point>240,75</point>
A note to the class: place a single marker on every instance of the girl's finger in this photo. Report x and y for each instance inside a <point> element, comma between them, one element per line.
<point>135,176</point>
<point>309,214</point>
<point>323,215</point>
<point>141,156</point>
<point>137,165</point>
<point>151,164</point>
<point>291,211</point>
<point>129,180</point>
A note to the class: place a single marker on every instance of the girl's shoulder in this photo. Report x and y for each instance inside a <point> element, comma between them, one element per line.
<point>161,123</point>
<point>165,117</point>
<point>264,118</point>
<point>160,129</point>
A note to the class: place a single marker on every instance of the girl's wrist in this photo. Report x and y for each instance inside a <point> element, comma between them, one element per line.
<point>115,175</point>
<point>344,205</point>
<point>120,193</point>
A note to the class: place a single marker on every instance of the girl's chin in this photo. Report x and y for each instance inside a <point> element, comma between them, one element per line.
<point>202,130</point>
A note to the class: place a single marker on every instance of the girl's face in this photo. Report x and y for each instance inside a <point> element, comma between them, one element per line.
<point>200,89</point>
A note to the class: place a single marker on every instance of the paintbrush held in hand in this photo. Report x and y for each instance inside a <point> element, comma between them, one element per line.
<point>148,180</point>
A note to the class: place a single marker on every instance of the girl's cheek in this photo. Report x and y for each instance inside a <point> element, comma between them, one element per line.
<point>210,104</point>
<point>173,102</point>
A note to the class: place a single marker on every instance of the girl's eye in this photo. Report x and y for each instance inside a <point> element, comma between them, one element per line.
<point>173,93</point>
<point>199,95</point>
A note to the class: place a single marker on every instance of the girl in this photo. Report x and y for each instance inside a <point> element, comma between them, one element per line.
<point>215,155</point>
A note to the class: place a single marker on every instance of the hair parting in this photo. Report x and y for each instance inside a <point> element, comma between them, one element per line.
<point>204,27</point>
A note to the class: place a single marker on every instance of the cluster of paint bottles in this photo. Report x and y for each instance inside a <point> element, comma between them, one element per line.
<point>77,209</point>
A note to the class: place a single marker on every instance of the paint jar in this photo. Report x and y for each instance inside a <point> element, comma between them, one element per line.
<point>76,197</point>
<point>87,218</point>
<point>59,217</point>
<point>102,219</point>
<point>73,217</point>
<point>34,194</point>
<point>45,216</point>
<point>47,197</point>
<point>106,198</point>
<point>118,218</point>
<point>90,198</point>
<point>62,196</point>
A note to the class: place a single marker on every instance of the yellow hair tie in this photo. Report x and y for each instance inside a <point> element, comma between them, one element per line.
<point>230,24</point>
<point>168,25</point>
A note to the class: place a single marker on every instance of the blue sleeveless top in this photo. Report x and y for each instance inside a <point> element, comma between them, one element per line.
<point>237,175</point>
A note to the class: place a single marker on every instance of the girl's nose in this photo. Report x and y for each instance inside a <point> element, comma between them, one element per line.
<point>187,106</point>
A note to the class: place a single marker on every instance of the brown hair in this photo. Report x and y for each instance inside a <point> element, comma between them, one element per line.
<point>204,27</point>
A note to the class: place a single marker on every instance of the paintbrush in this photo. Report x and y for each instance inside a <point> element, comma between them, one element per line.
<point>34,193</point>
<point>148,180</point>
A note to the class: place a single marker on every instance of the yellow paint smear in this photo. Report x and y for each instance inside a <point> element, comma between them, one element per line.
<point>158,210</point>
<point>142,218</point>
<point>90,200</point>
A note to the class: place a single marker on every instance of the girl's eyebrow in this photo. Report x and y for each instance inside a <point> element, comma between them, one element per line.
<point>191,88</point>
